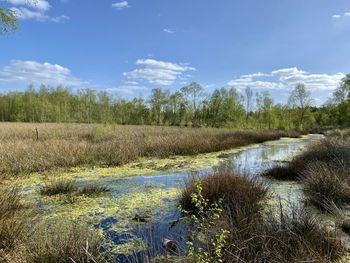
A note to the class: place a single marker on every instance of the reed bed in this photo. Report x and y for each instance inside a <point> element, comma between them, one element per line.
<point>27,148</point>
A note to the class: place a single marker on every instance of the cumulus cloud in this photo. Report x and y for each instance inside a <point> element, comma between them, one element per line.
<point>37,4</point>
<point>336,16</point>
<point>158,72</point>
<point>287,78</point>
<point>36,10</point>
<point>121,5</point>
<point>32,72</point>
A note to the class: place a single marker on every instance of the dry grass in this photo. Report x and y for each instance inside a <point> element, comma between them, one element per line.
<point>327,186</point>
<point>22,240</point>
<point>279,172</point>
<point>292,237</point>
<point>57,187</point>
<point>324,170</point>
<point>69,188</point>
<point>12,224</point>
<point>254,236</point>
<point>93,190</point>
<point>70,145</point>
<point>240,195</point>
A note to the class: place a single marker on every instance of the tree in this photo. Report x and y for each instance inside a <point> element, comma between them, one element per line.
<point>8,20</point>
<point>342,93</point>
<point>193,92</point>
<point>300,99</point>
<point>248,97</point>
<point>158,99</point>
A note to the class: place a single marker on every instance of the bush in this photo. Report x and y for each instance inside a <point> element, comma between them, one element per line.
<point>239,194</point>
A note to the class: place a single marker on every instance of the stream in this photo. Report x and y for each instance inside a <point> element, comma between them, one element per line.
<point>251,161</point>
<point>137,191</point>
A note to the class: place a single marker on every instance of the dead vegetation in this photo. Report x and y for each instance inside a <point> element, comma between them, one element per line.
<point>71,145</point>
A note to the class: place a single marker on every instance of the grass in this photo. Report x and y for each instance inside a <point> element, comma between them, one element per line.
<point>93,190</point>
<point>66,187</point>
<point>240,195</point>
<point>57,187</point>
<point>324,170</point>
<point>257,236</point>
<point>23,240</point>
<point>72,145</point>
<point>279,172</point>
<point>12,225</point>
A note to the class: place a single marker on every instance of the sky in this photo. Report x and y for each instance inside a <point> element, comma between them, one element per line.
<point>129,47</point>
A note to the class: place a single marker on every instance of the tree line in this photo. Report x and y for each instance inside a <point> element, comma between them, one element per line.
<point>190,106</point>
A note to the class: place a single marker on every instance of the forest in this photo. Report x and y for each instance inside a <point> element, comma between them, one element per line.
<point>190,107</point>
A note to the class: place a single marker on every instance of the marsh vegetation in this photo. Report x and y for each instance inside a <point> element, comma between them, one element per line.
<point>71,145</point>
<point>60,212</point>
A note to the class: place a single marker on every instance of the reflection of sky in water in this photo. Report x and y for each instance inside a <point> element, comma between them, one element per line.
<point>252,161</point>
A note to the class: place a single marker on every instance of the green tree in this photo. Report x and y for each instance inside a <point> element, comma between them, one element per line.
<point>8,20</point>
<point>300,99</point>
<point>194,92</point>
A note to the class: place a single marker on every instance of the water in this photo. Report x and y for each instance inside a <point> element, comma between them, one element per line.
<point>252,161</point>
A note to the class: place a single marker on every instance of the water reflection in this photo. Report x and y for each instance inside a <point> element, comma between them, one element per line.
<point>251,161</point>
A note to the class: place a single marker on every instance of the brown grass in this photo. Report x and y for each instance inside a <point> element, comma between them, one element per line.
<point>257,236</point>
<point>324,170</point>
<point>240,195</point>
<point>70,145</point>
<point>23,240</point>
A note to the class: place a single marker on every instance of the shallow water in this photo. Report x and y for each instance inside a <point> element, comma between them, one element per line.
<point>135,191</point>
<point>252,161</point>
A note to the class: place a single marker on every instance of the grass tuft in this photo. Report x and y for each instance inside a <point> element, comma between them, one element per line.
<point>57,187</point>
<point>93,190</point>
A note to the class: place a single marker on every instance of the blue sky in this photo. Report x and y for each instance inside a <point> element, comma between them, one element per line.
<point>130,47</point>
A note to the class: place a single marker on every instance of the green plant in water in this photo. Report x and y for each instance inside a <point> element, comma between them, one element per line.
<point>205,217</point>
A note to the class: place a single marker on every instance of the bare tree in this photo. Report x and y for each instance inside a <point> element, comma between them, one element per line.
<point>300,98</point>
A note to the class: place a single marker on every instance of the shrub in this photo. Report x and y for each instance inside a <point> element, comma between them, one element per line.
<point>239,194</point>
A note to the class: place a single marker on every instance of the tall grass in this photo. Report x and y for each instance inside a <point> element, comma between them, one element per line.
<point>257,236</point>
<point>23,240</point>
<point>70,145</point>
<point>324,170</point>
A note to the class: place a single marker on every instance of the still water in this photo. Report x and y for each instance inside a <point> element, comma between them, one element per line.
<point>251,161</point>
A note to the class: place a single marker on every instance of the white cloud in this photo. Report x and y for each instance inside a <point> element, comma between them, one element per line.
<point>60,19</point>
<point>340,16</point>
<point>168,30</point>
<point>36,10</point>
<point>37,4</point>
<point>32,72</point>
<point>128,89</point>
<point>25,13</point>
<point>158,72</point>
<point>287,78</point>
<point>121,5</point>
